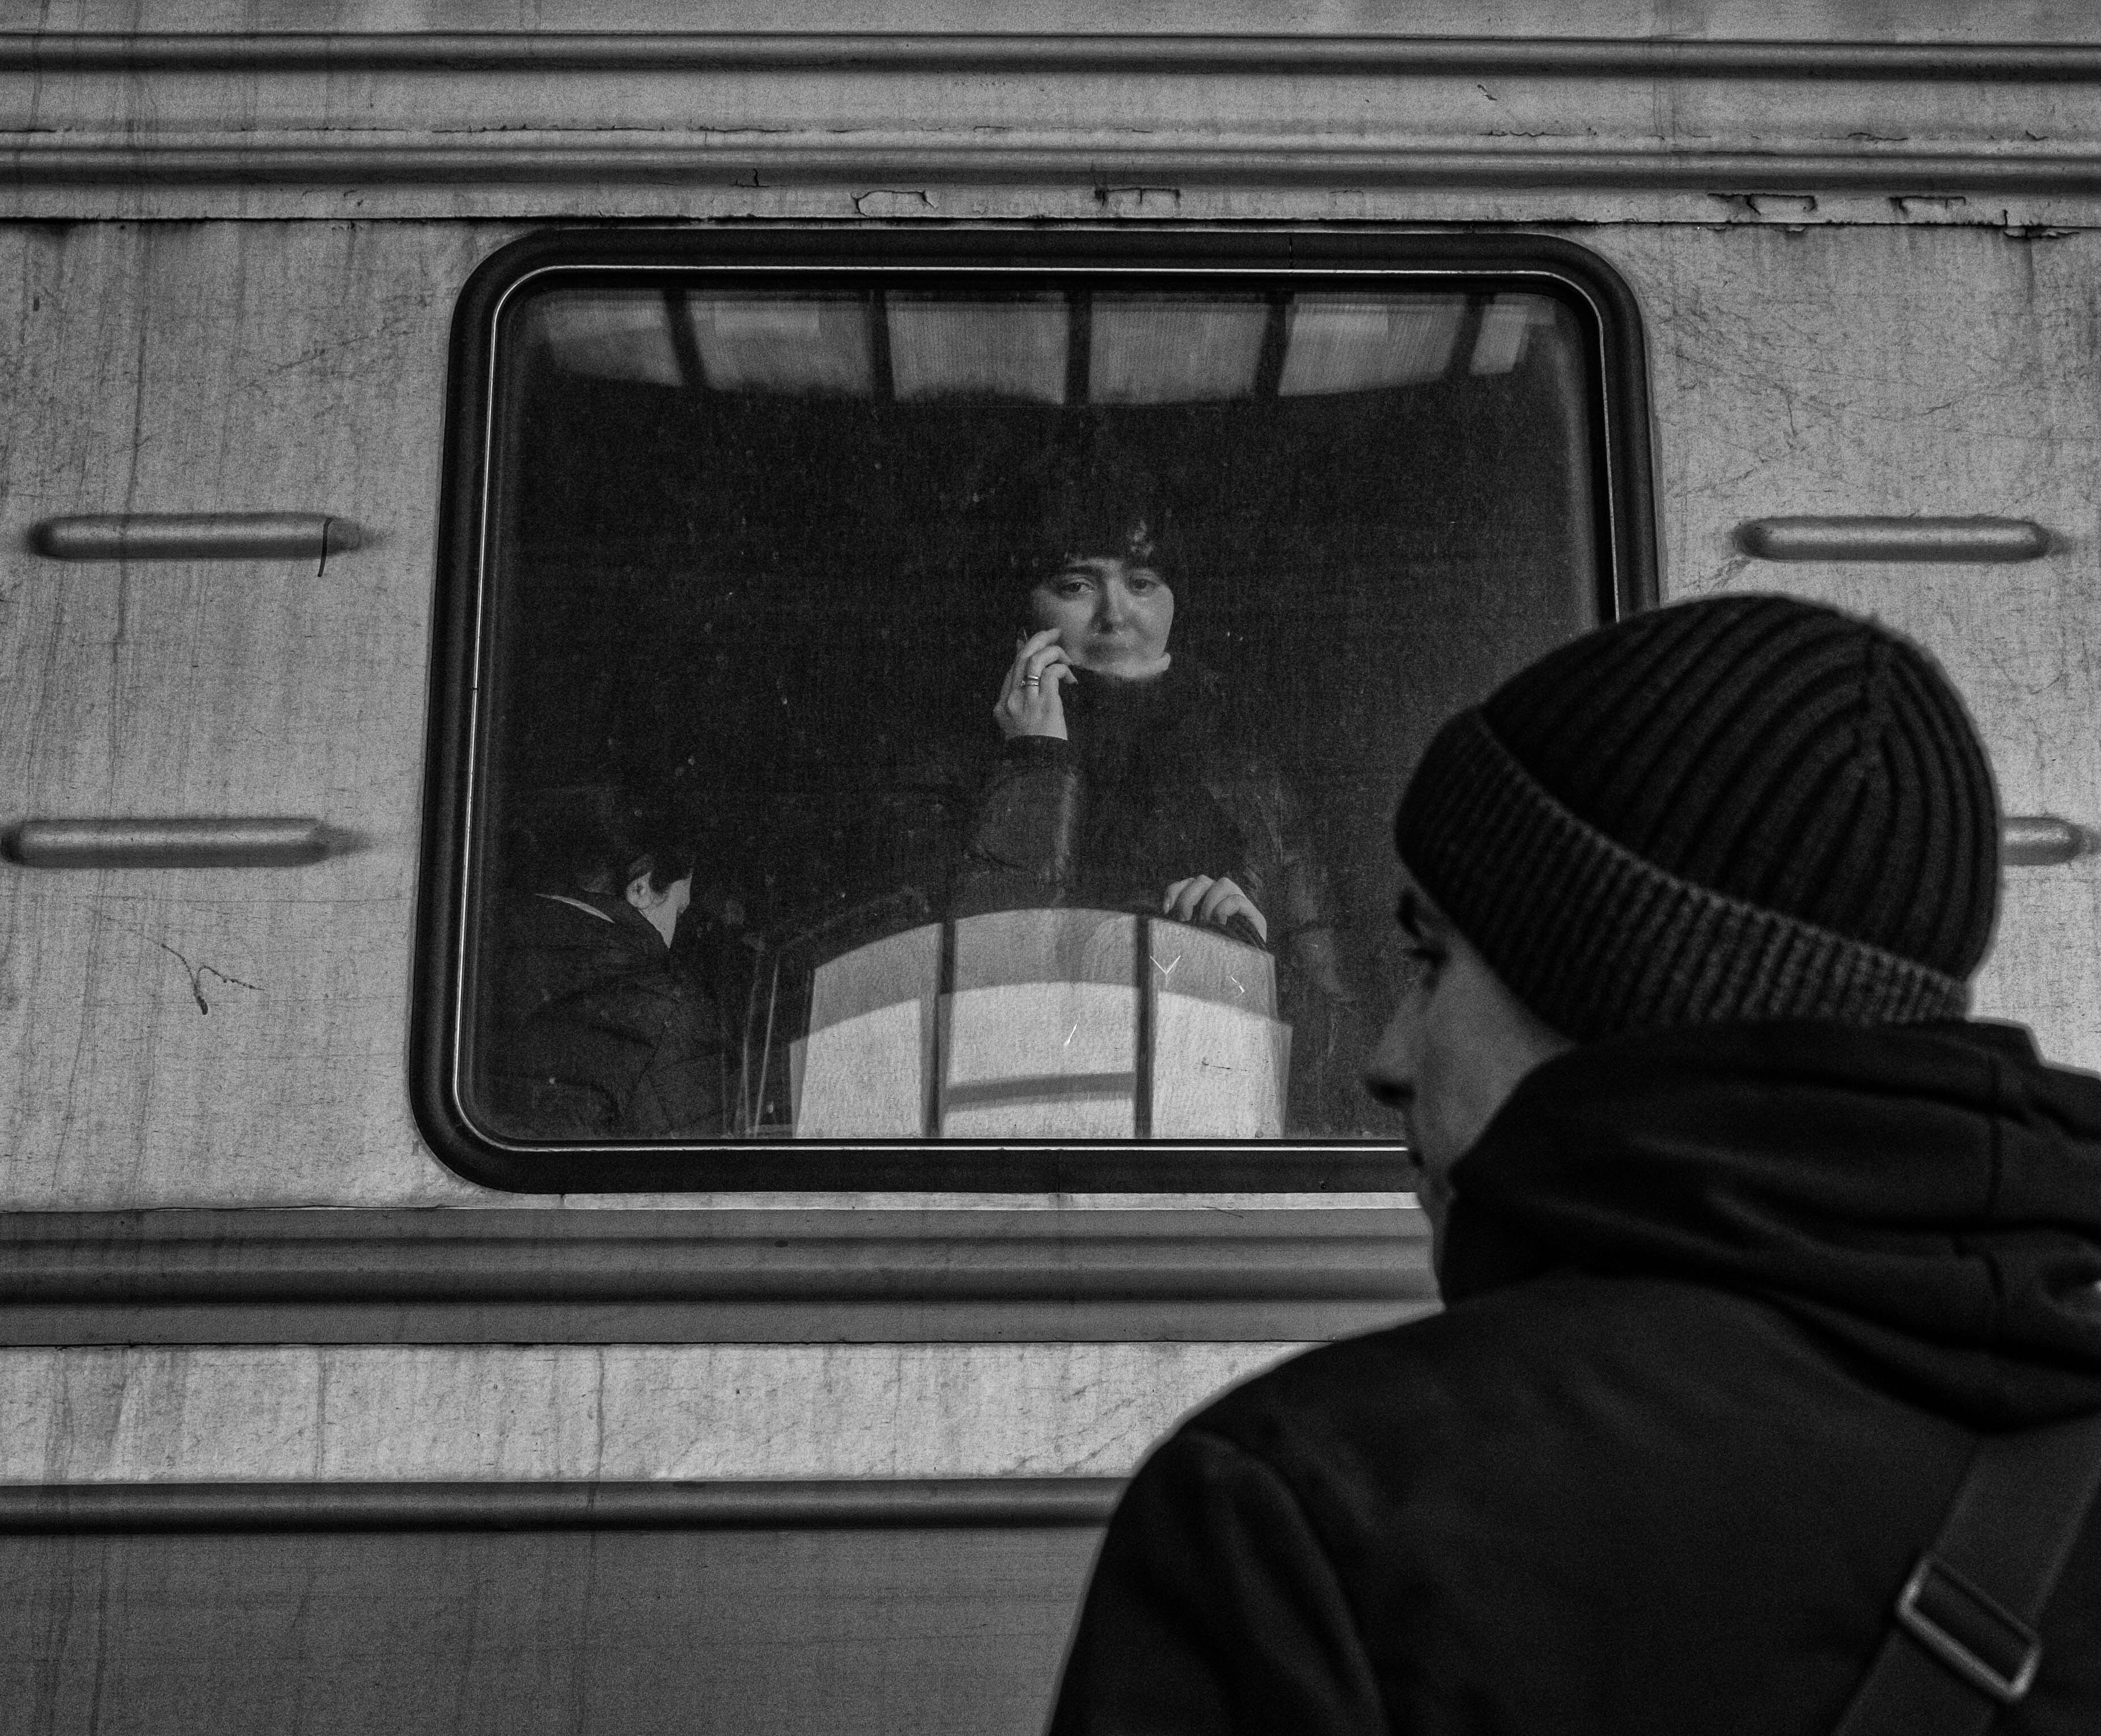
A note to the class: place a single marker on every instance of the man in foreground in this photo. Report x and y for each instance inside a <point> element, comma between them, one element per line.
<point>1746,1240</point>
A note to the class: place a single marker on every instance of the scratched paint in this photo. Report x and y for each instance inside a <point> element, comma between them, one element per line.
<point>352,1413</point>
<point>1913,372</point>
<point>179,1035</point>
<point>216,1038</point>
<point>1322,137</point>
<point>1888,369</point>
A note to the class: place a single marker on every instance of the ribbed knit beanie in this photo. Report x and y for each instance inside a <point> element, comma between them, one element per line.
<point>1739,808</point>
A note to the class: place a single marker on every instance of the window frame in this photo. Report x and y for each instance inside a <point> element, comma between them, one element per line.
<point>1623,517</point>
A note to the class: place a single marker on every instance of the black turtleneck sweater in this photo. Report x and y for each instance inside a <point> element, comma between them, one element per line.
<point>1727,1309</point>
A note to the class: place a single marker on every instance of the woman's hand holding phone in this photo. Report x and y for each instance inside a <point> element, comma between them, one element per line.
<point>1028,703</point>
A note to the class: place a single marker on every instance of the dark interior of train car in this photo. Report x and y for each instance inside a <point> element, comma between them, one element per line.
<point>760,554</point>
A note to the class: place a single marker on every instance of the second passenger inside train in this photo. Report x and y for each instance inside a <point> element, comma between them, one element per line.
<point>600,1032</point>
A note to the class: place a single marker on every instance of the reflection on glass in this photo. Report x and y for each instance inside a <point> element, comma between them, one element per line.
<point>1505,324</point>
<point>1159,349</point>
<point>944,347</point>
<point>796,345</point>
<point>614,337</point>
<point>1341,343</point>
<point>917,715</point>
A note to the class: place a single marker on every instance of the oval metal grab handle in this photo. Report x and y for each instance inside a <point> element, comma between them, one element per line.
<point>2039,840</point>
<point>195,535</point>
<point>260,841</point>
<point>1871,538</point>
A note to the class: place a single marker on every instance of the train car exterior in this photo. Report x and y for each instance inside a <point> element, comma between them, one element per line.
<point>306,1426</point>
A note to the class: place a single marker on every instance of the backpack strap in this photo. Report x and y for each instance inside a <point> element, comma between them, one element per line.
<point>1963,1643</point>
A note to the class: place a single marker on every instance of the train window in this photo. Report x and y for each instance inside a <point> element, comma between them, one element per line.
<point>926,711</point>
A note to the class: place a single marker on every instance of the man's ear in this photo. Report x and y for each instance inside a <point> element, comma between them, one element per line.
<point>641,895</point>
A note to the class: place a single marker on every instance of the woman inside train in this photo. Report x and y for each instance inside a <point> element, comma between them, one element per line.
<point>600,1030</point>
<point>1129,779</point>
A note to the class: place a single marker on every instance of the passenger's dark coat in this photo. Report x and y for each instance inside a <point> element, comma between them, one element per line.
<point>1161,781</point>
<point>1728,1309</point>
<point>598,1033</point>
<point>1158,783</point>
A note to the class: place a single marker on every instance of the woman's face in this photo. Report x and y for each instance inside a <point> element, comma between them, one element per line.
<point>1113,615</point>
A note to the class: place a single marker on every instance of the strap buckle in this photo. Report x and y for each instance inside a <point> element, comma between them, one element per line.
<point>1960,1624</point>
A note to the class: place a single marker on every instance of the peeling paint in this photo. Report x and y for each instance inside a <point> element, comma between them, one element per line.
<point>893,201</point>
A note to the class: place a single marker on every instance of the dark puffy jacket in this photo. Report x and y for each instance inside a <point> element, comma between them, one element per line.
<point>1161,781</point>
<point>597,1034</point>
<point>1728,1310</point>
<point>1156,784</point>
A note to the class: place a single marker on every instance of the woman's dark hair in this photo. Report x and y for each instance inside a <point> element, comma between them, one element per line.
<point>594,839</point>
<point>1087,507</point>
<point>1086,492</point>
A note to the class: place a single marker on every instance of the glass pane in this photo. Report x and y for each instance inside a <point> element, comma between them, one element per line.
<point>795,345</point>
<point>1168,349</point>
<point>942,347</point>
<point>776,839</point>
<point>1341,343</point>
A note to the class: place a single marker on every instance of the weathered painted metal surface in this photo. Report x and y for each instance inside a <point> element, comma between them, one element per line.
<point>354,1413</point>
<point>1913,372</point>
<point>1660,109</point>
<point>236,1037</point>
<point>1865,239</point>
<point>186,1033</point>
<point>532,1633</point>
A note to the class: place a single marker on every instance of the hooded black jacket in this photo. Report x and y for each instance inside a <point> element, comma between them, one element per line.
<point>1727,1309</point>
